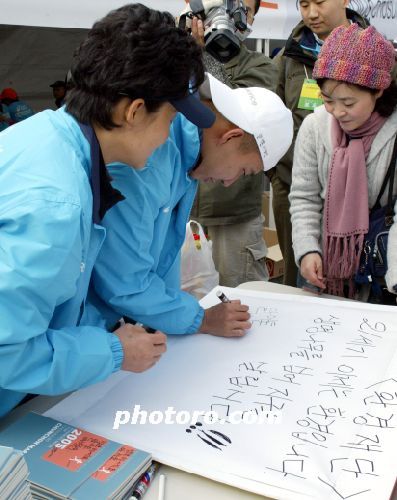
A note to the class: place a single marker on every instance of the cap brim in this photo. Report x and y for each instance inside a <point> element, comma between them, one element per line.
<point>195,111</point>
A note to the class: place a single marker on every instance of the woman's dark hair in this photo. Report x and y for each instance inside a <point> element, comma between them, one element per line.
<point>134,51</point>
<point>385,104</point>
<point>257,5</point>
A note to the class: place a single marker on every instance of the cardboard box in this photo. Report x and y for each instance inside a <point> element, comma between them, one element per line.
<point>274,258</point>
<point>270,236</point>
<point>274,262</point>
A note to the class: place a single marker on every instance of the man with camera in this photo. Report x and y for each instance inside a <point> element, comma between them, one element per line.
<point>233,215</point>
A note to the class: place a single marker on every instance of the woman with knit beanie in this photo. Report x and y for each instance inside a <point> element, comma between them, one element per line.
<point>342,154</point>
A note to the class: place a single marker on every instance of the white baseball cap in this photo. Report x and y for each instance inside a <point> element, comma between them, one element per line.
<point>256,110</point>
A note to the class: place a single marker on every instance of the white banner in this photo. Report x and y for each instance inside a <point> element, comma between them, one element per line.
<point>381,13</point>
<point>303,406</point>
<point>275,19</point>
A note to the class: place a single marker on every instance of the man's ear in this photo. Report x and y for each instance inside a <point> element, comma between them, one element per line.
<point>133,110</point>
<point>230,134</point>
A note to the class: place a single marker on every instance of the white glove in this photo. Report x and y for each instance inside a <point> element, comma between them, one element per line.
<point>210,4</point>
<point>207,4</point>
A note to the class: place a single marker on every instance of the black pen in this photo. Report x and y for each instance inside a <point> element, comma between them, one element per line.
<point>126,319</point>
<point>222,297</point>
<point>147,328</point>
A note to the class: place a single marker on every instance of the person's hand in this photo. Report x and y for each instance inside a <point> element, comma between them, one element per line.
<point>141,349</point>
<point>226,320</point>
<point>311,269</point>
<point>198,31</point>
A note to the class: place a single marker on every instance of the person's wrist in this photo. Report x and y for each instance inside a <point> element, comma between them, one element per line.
<point>308,253</point>
<point>204,324</point>
<point>117,351</point>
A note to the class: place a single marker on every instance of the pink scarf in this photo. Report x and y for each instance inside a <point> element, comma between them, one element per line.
<point>346,211</point>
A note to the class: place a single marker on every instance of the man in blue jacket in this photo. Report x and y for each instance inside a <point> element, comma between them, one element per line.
<point>130,74</point>
<point>137,273</point>
<point>5,118</point>
<point>17,109</point>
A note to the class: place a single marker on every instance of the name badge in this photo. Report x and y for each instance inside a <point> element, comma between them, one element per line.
<point>310,95</point>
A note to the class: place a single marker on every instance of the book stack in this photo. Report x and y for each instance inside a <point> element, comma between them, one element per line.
<point>66,462</point>
<point>13,475</point>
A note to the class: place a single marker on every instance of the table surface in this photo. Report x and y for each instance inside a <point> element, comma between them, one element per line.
<point>179,485</point>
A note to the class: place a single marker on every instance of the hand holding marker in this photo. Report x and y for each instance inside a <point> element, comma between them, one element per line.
<point>225,300</point>
<point>125,319</point>
<point>222,297</point>
<point>140,350</point>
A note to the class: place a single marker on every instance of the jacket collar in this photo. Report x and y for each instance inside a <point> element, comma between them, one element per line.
<point>104,195</point>
<point>244,52</point>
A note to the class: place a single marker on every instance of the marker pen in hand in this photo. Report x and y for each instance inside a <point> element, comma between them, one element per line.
<point>222,297</point>
<point>125,319</point>
<point>147,328</point>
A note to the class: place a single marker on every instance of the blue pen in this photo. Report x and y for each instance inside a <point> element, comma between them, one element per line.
<point>144,482</point>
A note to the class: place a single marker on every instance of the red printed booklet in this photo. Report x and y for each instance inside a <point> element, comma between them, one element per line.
<point>66,462</point>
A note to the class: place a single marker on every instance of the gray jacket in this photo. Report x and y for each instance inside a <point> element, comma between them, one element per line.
<point>313,150</point>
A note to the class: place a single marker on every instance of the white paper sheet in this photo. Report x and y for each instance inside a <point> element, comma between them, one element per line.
<point>327,368</point>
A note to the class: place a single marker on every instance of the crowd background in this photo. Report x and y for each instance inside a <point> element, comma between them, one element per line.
<point>33,57</point>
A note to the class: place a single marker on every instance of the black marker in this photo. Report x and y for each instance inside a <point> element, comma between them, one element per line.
<point>222,297</point>
<point>126,319</point>
<point>147,328</point>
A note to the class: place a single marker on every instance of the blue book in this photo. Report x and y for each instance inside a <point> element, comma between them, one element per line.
<point>66,462</point>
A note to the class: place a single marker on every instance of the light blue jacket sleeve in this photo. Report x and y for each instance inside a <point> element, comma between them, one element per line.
<point>41,349</point>
<point>137,273</point>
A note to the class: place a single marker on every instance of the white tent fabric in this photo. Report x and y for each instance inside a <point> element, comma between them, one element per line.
<point>32,58</point>
<point>275,18</point>
<point>272,22</point>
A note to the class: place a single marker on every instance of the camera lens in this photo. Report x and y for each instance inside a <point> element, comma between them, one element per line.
<point>223,45</point>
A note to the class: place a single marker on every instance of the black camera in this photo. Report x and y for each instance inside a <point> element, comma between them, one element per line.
<point>225,27</point>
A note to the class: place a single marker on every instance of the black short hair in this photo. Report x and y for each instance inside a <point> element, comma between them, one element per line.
<point>257,5</point>
<point>385,105</point>
<point>135,51</point>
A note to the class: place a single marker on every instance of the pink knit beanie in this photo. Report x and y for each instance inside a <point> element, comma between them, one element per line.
<point>355,55</point>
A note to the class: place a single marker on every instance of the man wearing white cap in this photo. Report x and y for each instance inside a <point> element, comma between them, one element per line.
<point>137,274</point>
<point>232,216</point>
<point>253,113</point>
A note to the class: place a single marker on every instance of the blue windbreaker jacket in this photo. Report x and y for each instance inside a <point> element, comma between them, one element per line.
<point>19,111</point>
<point>48,245</point>
<point>137,273</point>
